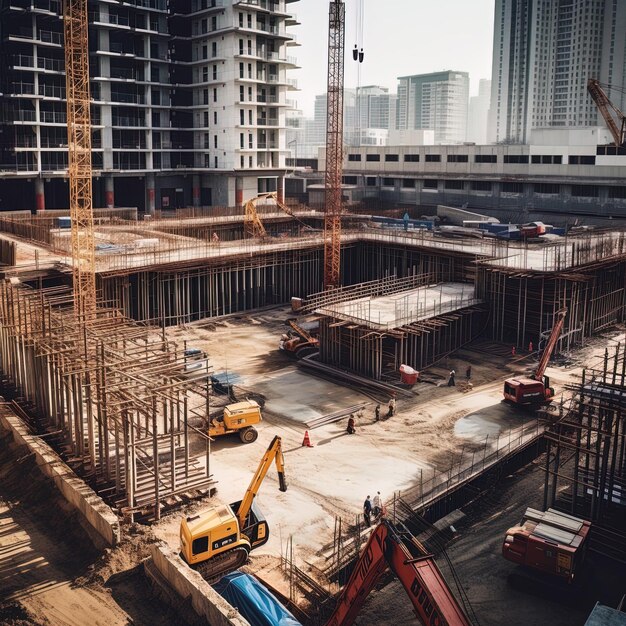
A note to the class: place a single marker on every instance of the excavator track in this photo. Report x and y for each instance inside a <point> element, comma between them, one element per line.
<point>222,564</point>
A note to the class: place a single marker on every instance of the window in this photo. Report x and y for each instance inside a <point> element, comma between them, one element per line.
<point>354,157</point>
<point>485,158</point>
<point>241,46</point>
<point>516,158</point>
<point>215,72</point>
<point>241,93</point>
<point>481,185</point>
<point>370,181</point>
<point>216,162</point>
<point>408,183</point>
<point>411,158</point>
<point>582,160</point>
<point>205,96</point>
<point>454,184</point>
<point>430,183</point>
<point>546,188</point>
<point>457,158</point>
<point>391,157</point>
<point>215,95</point>
<point>205,52</point>
<point>214,49</point>
<point>215,117</point>
<point>585,191</point>
<point>617,193</point>
<point>200,545</point>
<point>547,159</point>
<point>389,182</point>
<point>349,180</point>
<point>241,140</point>
<point>433,158</point>
<point>512,187</point>
<point>215,141</point>
<point>372,157</point>
<point>242,117</point>
<point>205,74</point>
<point>206,119</point>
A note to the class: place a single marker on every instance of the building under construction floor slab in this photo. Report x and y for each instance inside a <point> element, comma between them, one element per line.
<point>118,398</point>
<point>586,452</point>
<point>374,335</point>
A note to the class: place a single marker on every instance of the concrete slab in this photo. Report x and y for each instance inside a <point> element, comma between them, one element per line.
<point>402,308</point>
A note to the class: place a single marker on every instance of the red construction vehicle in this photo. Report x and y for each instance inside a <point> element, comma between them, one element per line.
<point>548,541</point>
<point>390,546</point>
<point>301,340</point>
<point>535,390</point>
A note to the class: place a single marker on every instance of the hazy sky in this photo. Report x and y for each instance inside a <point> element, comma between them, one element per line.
<point>400,37</point>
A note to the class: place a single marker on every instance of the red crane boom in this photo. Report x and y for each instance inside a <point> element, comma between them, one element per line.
<point>389,547</point>
<point>604,104</point>
<point>554,337</point>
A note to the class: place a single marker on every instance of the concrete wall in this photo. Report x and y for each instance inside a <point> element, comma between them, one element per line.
<point>190,587</point>
<point>99,520</point>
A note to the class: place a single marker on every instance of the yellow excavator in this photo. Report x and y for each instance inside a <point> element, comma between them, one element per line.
<point>219,540</point>
<point>253,225</point>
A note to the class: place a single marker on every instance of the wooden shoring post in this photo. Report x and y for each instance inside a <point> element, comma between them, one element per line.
<point>155,460</point>
<point>172,448</point>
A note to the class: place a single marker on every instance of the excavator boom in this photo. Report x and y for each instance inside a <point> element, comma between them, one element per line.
<point>274,452</point>
<point>604,104</point>
<point>389,546</point>
<point>554,337</point>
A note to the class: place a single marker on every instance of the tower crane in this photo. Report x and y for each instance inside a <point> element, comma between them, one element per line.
<point>334,145</point>
<point>615,120</point>
<point>75,22</point>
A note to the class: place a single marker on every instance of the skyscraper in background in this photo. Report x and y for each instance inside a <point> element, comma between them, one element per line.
<point>479,113</point>
<point>435,101</point>
<point>543,54</point>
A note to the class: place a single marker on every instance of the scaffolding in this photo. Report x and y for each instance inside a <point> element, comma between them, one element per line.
<point>120,399</point>
<point>586,452</point>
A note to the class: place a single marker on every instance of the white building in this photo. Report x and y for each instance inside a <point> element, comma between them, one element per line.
<point>189,100</point>
<point>479,113</point>
<point>436,101</point>
<point>543,54</point>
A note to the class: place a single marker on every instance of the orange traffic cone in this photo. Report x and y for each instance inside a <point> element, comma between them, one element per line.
<point>306,442</point>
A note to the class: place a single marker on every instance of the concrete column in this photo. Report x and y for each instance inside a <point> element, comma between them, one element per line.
<point>195,190</point>
<point>150,194</point>
<point>280,189</point>
<point>239,191</point>
<point>109,193</point>
<point>40,198</point>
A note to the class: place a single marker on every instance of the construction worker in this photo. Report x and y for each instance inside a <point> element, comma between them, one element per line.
<point>468,373</point>
<point>378,505</point>
<point>451,381</point>
<point>513,351</point>
<point>215,238</point>
<point>351,425</point>
<point>405,219</point>
<point>391,406</point>
<point>530,347</point>
<point>367,511</point>
<point>377,413</point>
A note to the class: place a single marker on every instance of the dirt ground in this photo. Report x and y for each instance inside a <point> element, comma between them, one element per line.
<point>439,425</point>
<point>47,576</point>
<point>50,575</point>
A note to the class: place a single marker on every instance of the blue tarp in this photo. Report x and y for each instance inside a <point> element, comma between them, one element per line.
<point>254,601</point>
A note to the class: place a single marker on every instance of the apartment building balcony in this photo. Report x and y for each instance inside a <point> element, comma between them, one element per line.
<point>47,7</point>
<point>43,37</point>
<point>25,62</point>
<point>202,7</point>
<point>271,122</point>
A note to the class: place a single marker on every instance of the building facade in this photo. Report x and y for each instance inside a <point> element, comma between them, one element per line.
<point>436,102</point>
<point>189,100</point>
<point>560,173</point>
<point>543,54</point>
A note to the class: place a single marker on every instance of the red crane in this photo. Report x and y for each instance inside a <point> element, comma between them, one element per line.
<point>334,145</point>
<point>536,390</point>
<point>604,104</point>
<point>391,547</point>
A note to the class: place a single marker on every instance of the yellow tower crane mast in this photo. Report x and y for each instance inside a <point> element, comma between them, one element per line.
<point>75,19</point>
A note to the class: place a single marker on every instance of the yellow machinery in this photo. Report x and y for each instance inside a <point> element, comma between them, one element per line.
<point>238,418</point>
<point>252,222</point>
<point>219,541</point>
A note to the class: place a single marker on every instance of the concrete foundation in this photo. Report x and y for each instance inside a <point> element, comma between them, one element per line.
<point>99,520</point>
<point>177,583</point>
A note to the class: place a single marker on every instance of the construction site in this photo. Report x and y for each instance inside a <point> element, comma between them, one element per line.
<point>446,412</point>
